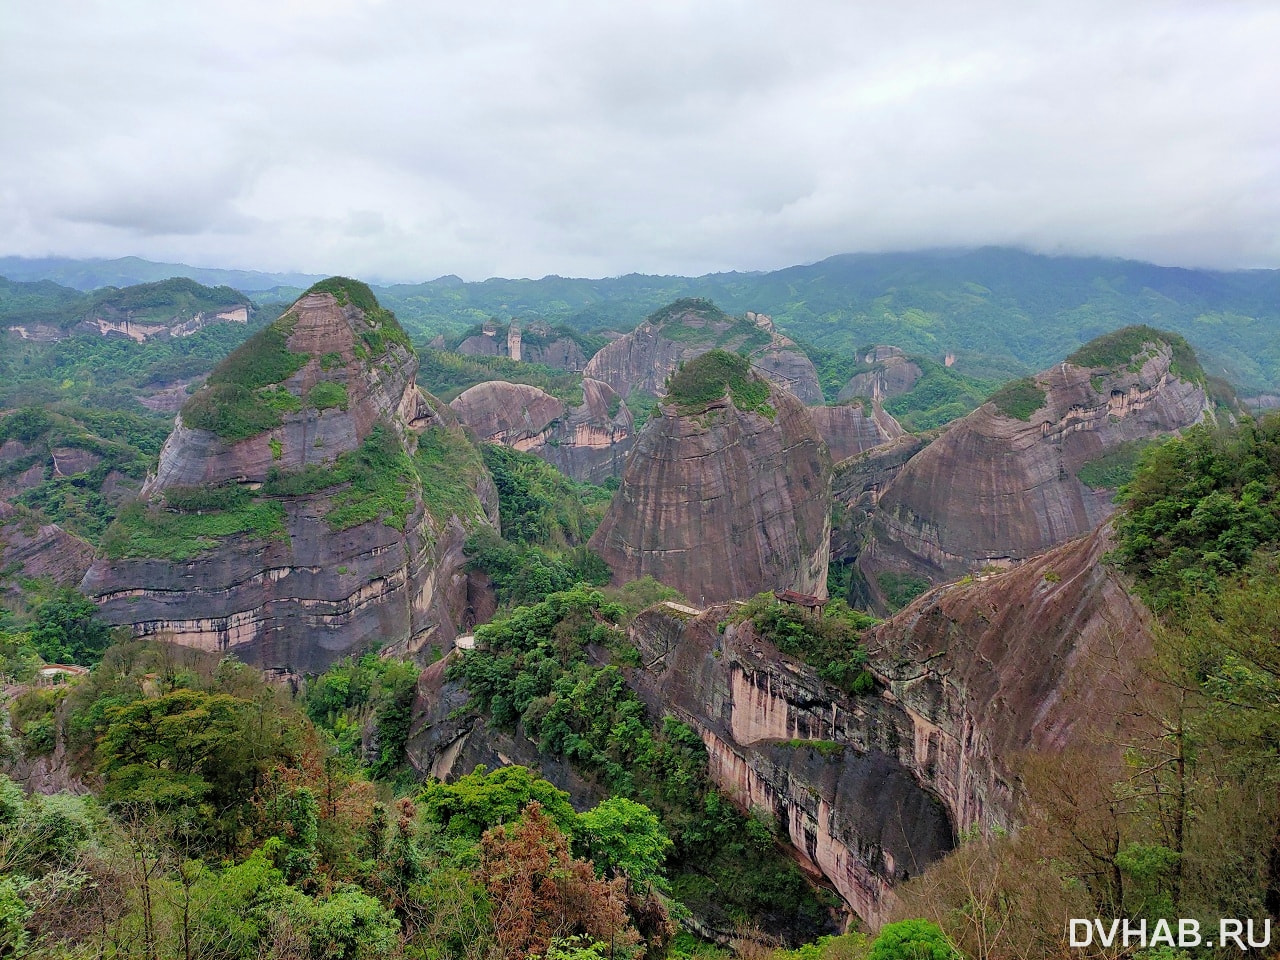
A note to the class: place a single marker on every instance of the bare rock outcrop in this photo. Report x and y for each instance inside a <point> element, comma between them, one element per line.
<point>535,342</point>
<point>333,525</point>
<point>781,741</point>
<point>872,789</point>
<point>854,428</point>
<point>644,359</point>
<point>890,373</point>
<point>589,442</point>
<point>723,498</point>
<point>40,549</point>
<point>1002,484</point>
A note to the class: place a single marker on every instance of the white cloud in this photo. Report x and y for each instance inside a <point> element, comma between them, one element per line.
<point>401,139</point>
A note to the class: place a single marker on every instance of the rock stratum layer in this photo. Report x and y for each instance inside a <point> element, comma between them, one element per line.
<point>997,488</point>
<point>872,789</point>
<point>720,503</point>
<point>532,343</point>
<point>589,442</point>
<point>336,527</point>
<point>854,428</point>
<point>891,374</point>
<point>643,359</point>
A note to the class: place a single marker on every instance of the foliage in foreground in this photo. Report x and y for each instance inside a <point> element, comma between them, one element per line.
<point>532,672</point>
<point>830,642</point>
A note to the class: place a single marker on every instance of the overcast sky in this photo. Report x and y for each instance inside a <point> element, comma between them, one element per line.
<point>406,139</point>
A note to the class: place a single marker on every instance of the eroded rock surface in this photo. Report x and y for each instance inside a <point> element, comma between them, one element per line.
<point>872,789</point>
<point>852,429</point>
<point>534,342</point>
<point>643,359</point>
<point>781,741</point>
<point>891,374</point>
<point>721,503</point>
<point>299,598</point>
<point>588,442</point>
<point>36,548</point>
<point>995,489</point>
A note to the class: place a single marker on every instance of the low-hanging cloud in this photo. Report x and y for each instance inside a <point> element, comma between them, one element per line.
<point>403,140</point>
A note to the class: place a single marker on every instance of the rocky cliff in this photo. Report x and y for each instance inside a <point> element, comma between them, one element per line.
<point>588,442</point>
<point>643,359</point>
<point>889,373</point>
<point>854,428</point>
<point>312,500</point>
<point>1003,483</point>
<point>872,789</point>
<point>780,741</point>
<point>30,546</point>
<point>530,343</point>
<point>727,491</point>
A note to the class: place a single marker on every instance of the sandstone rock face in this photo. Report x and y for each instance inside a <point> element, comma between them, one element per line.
<point>892,374</point>
<point>532,343</point>
<point>721,503</point>
<point>994,489</point>
<point>1034,658</point>
<point>853,429</point>
<point>297,600</point>
<point>41,549</point>
<point>589,442</point>
<point>853,810</point>
<point>376,391</point>
<point>643,359</point>
<point>874,788</point>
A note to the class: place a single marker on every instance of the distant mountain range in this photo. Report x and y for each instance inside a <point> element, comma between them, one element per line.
<point>995,312</point>
<point>126,271</point>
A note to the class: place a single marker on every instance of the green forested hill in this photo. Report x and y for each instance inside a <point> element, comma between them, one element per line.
<point>1001,312</point>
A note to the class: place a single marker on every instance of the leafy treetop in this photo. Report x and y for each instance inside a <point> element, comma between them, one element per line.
<point>707,378</point>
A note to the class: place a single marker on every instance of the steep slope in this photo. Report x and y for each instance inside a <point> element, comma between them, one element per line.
<point>891,374</point>
<point>32,547</point>
<point>589,442</point>
<point>646,357</point>
<point>1003,483</point>
<point>311,500</point>
<point>535,342</point>
<point>851,429</point>
<point>873,788</point>
<point>726,492</point>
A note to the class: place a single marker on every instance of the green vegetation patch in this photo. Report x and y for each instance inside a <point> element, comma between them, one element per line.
<point>1019,399</point>
<point>166,533</point>
<point>1120,348</point>
<point>450,468</point>
<point>538,504</point>
<point>448,374</point>
<point>242,397</point>
<point>546,521</point>
<point>328,394</point>
<point>1199,508</point>
<point>940,396</point>
<point>341,698</point>
<point>706,379</point>
<point>899,589</point>
<point>1114,468</point>
<point>830,641</point>
<point>378,480</point>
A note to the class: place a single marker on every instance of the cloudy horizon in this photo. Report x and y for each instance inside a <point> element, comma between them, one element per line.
<point>401,141</point>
